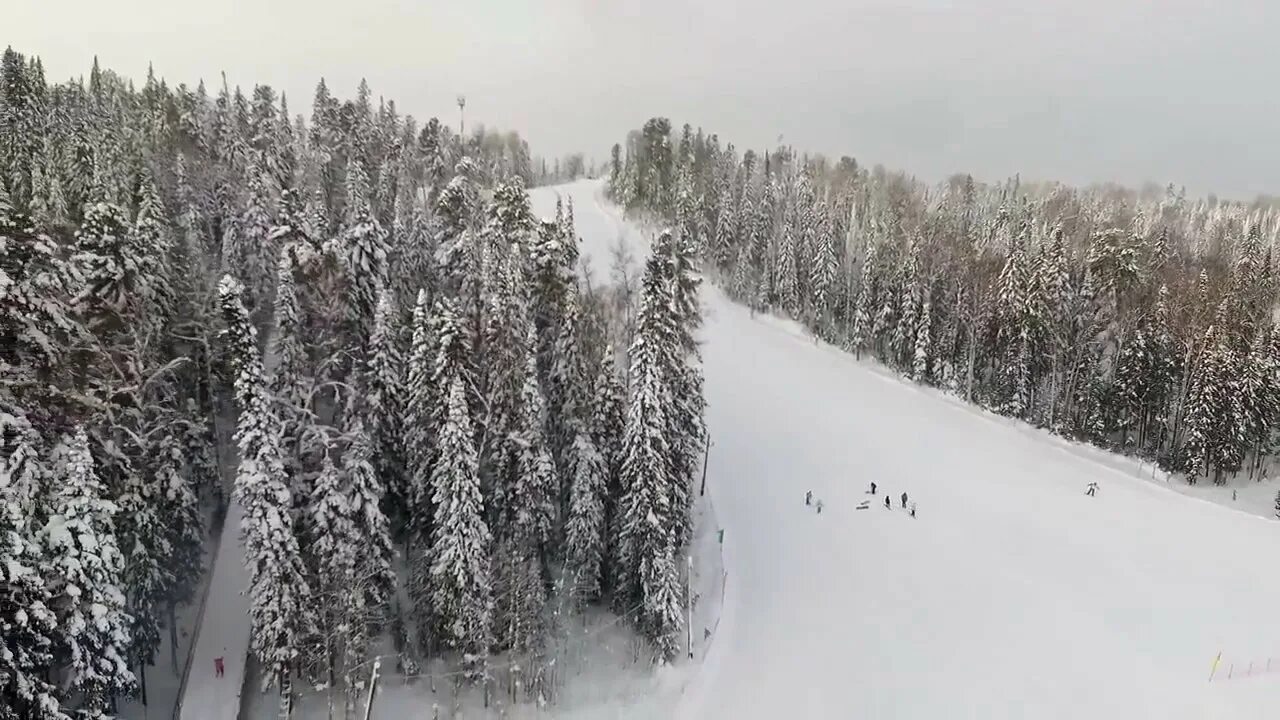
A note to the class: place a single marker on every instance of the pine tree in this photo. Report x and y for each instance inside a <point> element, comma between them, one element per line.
<point>386,409</point>
<point>290,383</point>
<point>824,280</point>
<point>921,362</point>
<point>280,595</point>
<point>87,571</point>
<point>109,269</point>
<point>420,439</point>
<point>663,619</point>
<point>146,578</point>
<point>862,320</point>
<point>608,423</point>
<point>684,376</point>
<point>787,289</point>
<point>462,595</point>
<point>253,251</point>
<point>28,626</point>
<point>183,523</point>
<point>520,598</point>
<point>334,549</point>
<point>152,245</point>
<point>365,491</point>
<point>534,495</point>
<point>585,531</point>
<point>365,251</point>
<point>648,463</point>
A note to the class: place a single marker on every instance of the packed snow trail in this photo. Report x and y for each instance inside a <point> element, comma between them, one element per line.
<point>224,632</point>
<point>1011,595</point>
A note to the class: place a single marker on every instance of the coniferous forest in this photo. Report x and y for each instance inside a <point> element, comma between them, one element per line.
<point>1140,322</point>
<point>351,327</point>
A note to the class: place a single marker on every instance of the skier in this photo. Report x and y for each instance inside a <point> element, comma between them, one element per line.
<point>218,667</point>
<point>873,488</point>
<point>808,497</point>
<point>1093,489</point>
<point>888,504</point>
<point>819,507</point>
<point>904,501</point>
<point>913,509</point>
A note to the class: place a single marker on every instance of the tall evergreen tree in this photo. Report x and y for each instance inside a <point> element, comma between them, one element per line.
<point>279,592</point>
<point>87,571</point>
<point>460,569</point>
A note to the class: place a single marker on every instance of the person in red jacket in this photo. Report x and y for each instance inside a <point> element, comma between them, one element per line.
<point>218,668</point>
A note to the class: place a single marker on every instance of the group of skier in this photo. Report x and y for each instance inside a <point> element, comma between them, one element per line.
<point>888,503</point>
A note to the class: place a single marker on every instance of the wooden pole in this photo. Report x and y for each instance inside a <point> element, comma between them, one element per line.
<point>373,683</point>
<point>706,453</point>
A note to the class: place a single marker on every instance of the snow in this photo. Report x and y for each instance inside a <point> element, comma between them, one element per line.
<point>223,632</point>
<point>1012,595</point>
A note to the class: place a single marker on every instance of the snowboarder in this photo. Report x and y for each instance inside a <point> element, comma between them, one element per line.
<point>808,497</point>
<point>819,507</point>
<point>218,667</point>
<point>1093,489</point>
<point>913,509</point>
<point>873,488</point>
<point>904,501</point>
<point>888,504</point>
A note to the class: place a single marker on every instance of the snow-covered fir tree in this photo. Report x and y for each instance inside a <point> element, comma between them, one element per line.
<point>280,595</point>
<point>585,528</point>
<point>87,570</point>
<point>462,594</point>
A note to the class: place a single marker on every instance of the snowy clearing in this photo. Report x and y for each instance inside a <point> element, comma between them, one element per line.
<point>1013,594</point>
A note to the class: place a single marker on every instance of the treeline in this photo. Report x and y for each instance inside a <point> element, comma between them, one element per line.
<point>432,434</point>
<point>1140,323</point>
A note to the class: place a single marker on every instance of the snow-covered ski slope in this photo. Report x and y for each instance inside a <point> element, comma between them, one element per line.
<point>1011,595</point>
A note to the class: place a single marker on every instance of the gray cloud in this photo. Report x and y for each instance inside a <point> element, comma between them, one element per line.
<point>1090,90</point>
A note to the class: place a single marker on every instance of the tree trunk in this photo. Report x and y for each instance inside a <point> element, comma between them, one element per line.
<point>173,636</point>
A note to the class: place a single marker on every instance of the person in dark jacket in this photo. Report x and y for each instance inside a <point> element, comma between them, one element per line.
<point>808,497</point>
<point>888,504</point>
<point>904,501</point>
<point>873,488</point>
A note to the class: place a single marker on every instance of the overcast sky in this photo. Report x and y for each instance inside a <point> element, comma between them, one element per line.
<point>1181,91</point>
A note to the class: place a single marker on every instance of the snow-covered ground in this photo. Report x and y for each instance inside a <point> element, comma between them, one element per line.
<point>223,633</point>
<point>1011,595</point>
<point>224,619</point>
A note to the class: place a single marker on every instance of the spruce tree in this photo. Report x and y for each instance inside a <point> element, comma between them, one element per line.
<point>152,245</point>
<point>86,569</point>
<point>280,595</point>
<point>28,625</point>
<point>365,491</point>
<point>333,548</point>
<point>420,443</point>
<point>648,460</point>
<point>289,382</point>
<point>176,479</point>
<point>608,423</point>
<point>109,268</point>
<point>462,597</point>
<point>921,361</point>
<point>585,530</point>
<point>534,495</point>
<point>364,245</point>
<point>386,383</point>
